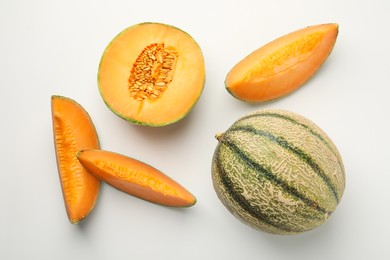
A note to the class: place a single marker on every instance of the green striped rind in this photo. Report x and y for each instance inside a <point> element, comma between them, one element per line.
<point>278,172</point>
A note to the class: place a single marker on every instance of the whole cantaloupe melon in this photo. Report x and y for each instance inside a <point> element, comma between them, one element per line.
<point>278,172</point>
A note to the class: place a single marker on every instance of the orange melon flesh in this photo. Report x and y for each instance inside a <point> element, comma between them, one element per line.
<point>283,65</point>
<point>181,93</point>
<point>135,178</point>
<point>73,130</point>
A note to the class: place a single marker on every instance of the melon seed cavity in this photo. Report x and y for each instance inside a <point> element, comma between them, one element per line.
<point>66,145</point>
<point>287,56</point>
<point>136,176</point>
<point>152,72</point>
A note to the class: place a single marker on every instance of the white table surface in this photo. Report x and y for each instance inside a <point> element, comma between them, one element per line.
<point>54,47</point>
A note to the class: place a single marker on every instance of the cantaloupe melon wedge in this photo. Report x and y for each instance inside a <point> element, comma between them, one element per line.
<point>73,130</point>
<point>135,178</point>
<point>283,65</point>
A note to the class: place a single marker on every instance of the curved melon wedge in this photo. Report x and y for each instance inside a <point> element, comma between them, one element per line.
<point>135,178</point>
<point>74,130</point>
<point>283,65</point>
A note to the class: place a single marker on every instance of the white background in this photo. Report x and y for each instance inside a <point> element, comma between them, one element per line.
<point>54,47</point>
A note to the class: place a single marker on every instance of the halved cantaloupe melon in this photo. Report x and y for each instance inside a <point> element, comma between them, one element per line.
<point>151,74</point>
<point>283,65</point>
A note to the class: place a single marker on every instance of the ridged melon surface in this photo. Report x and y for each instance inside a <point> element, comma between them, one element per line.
<point>278,172</point>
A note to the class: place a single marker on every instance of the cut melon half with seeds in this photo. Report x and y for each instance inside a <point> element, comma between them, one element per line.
<point>151,74</point>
